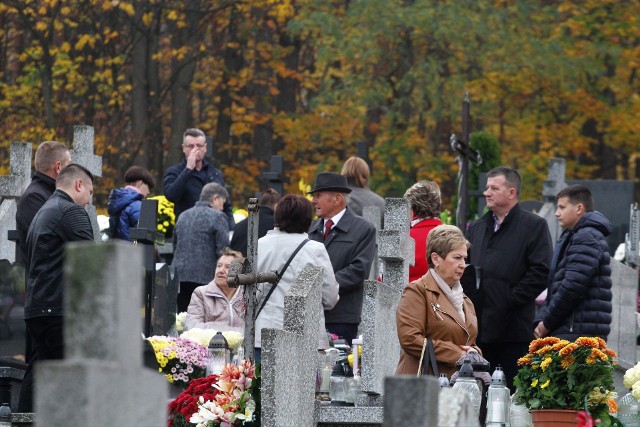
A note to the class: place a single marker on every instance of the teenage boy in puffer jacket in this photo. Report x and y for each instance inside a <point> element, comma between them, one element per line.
<point>579,292</point>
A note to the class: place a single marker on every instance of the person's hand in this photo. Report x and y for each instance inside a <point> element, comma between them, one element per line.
<point>540,330</point>
<point>468,349</point>
<point>192,158</point>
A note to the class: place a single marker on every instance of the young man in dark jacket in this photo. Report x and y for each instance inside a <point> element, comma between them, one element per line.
<point>579,293</point>
<point>124,203</point>
<point>61,219</point>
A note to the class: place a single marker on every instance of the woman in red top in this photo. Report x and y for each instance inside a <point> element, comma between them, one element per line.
<point>424,199</point>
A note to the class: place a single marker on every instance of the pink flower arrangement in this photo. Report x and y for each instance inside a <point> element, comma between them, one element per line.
<point>179,359</point>
<point>217,400</point>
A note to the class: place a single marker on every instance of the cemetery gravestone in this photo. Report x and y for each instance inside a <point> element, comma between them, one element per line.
<point>82,154</point>
<point>289,356</point>
<point>11,188</point>
<point>381,348</point>
<point>102,378</point>
<point>624,328</point>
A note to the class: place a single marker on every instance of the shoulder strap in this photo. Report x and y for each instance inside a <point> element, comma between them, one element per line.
<point>280,274</point>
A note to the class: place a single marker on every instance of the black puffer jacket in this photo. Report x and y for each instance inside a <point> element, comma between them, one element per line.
<point>579,294</point>
<point>59,221</point>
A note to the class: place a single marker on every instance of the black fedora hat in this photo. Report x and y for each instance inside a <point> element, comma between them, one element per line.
<point>330,181</point>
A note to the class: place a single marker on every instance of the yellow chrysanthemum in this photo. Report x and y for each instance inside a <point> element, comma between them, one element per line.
<point>545,384</point>
<point>534,383</point>
<point>545,363</point>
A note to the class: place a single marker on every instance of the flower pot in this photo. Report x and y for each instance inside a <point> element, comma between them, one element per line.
<point>554,417</point>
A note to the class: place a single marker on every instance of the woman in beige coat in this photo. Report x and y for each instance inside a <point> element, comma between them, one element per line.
<point>435,307</point>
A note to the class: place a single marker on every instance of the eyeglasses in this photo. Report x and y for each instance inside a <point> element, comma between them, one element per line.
<point>191,146</point>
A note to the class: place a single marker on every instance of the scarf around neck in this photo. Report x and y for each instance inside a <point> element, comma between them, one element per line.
<point>454,294</point>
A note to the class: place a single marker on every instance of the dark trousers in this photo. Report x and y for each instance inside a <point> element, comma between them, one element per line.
<point>46,335</point>
<point>184,296</point>
<point>505,355</point>
<point>348,331</point>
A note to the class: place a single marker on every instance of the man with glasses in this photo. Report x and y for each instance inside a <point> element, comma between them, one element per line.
<point>183,182</point>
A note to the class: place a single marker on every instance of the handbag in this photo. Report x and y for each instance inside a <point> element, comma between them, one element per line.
<point>428,357</point>
<point>280,274</point>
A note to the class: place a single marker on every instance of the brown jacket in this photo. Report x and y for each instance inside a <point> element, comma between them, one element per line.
<point>424,311</point>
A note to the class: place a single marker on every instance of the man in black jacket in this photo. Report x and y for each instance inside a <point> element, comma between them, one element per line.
<point>267,203</point>
<point>51,157</point>
<point>61,219</point>
<point>513,249</point>
<point>183,182</point>
<point>351,243</point>
<point>579,294</point>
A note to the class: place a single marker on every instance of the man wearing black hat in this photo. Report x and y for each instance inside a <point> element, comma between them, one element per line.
<point>350,241</point>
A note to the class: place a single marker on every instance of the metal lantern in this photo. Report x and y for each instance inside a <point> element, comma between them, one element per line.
<point>218,354</point>
<point>498,399</point>
<point>467,382</point>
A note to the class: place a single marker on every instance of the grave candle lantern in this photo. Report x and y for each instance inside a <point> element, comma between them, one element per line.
<point>218,354</point>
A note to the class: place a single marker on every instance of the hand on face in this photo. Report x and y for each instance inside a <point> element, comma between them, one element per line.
<point>194,149</point>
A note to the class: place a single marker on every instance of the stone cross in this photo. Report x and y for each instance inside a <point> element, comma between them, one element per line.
<point>289,356</point>
<point>102,378</point>
<point>82,154</point>
<point>11,188</point>
<point>550,187</point>
<point>373,214</point>
<point>465,153</point>
<point>274,177</point>
<point>381,348</point>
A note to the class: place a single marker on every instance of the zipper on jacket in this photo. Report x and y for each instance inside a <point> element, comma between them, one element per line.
<point>436,309</point>
<point>571,322</point>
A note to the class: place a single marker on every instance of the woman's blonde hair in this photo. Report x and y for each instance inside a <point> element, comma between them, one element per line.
<point>424,199</point>
<point>443,239</point>
<point>356,170</point>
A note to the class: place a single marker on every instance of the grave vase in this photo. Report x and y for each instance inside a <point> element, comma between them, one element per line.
<point>629,410</point>
<point>554,417</point>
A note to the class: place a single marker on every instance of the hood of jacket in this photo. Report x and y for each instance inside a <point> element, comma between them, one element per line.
<point>120,198</point>
<point>595,220</point>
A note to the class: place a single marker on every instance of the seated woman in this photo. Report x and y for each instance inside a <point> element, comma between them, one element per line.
<point>293,217</point>
<point>435,307</point>
<point>216,305</point>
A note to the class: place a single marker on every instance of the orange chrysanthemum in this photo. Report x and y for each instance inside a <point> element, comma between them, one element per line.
<point>613,406</point>
<point>524,361</point>
<point>567,361</point>
<point>542,342</point>
<point>560,344</point>
<point>588,342</point>
<point>599,354</point>
<point>568,349</point>
<point>609,352</point>
<point>602,344</point>
<point>543,350</point>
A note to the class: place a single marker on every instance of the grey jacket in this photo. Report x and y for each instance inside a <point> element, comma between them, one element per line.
<point>363,197</point>
<point>200,234</point>
<point>351,246</point>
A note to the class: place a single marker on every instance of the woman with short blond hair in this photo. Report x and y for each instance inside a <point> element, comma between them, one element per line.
<point>435,306</point>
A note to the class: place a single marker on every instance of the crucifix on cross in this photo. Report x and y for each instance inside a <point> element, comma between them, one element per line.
<point>465,153</point>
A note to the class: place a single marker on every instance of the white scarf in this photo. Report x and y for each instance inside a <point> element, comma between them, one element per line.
<point>454,293</point>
